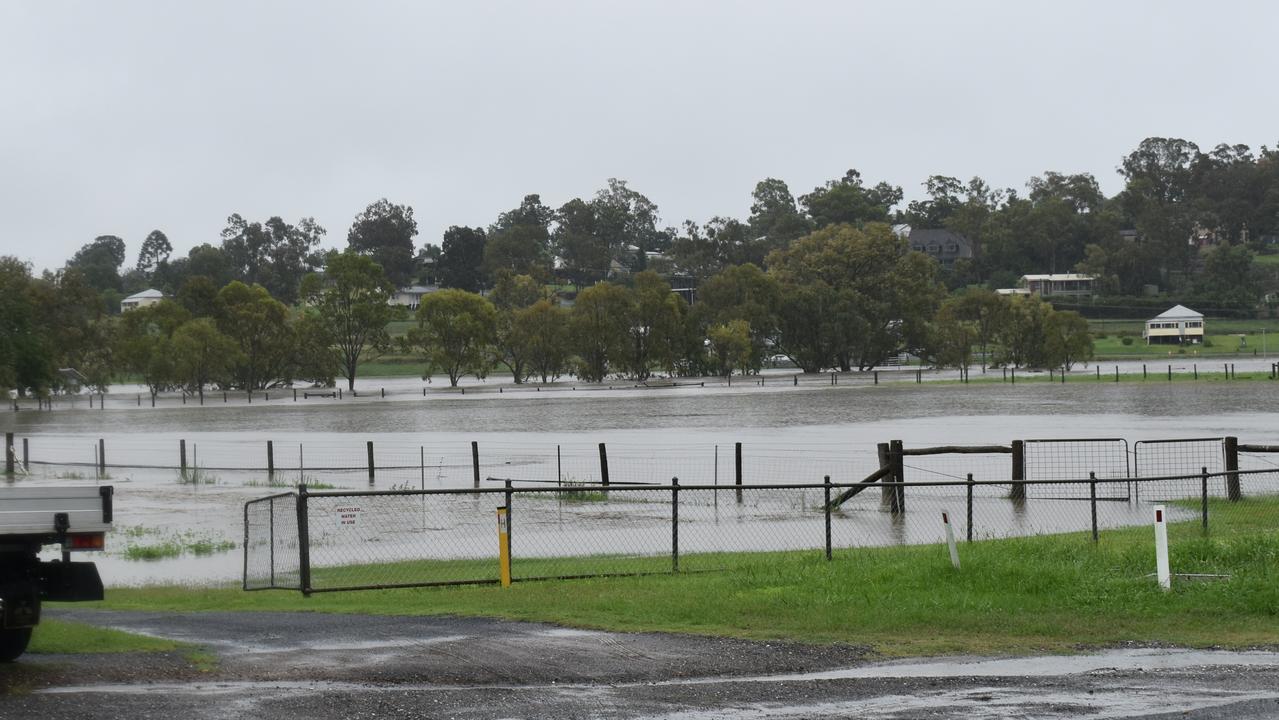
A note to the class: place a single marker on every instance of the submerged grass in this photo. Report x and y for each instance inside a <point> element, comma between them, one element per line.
<point>1036,594</point>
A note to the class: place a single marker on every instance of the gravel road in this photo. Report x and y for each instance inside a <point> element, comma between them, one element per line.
<point>315,666</point>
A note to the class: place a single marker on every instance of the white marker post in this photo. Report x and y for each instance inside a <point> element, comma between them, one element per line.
<point>1161,549</point>
<point>950,539</point>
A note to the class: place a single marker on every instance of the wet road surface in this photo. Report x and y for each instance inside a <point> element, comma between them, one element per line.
<point>316,666</point>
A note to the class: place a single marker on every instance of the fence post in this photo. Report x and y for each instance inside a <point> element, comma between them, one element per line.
<point>1092,500</point>
<point>1098,373</point>
<point>1231,446</point>
<point>1169,373</point>
<point>369,448</point>
<point>887,493</point>
<point>270,538</point>
<point>737,455</point>
<point>876,377</point>
<point>826,482</point>
<point>270,459</point>
<point>1143,371</point>
<point>182,455</point>
<point>603,465</point>
<point>304,543</point>
<point>674,524</point>
<point>26,455</point>
<point>1018,491</point>
<point>899,472</point>
<point>1203,490</point>
<point>8,453</point>
<point>475,462</point>
<point>510,528</point>
<point>1116,373</point>
<point>969,524</point>
<point>102,457</point>
<point>1013,374</point>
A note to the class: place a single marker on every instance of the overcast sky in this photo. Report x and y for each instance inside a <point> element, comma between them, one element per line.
<point>121,117</point>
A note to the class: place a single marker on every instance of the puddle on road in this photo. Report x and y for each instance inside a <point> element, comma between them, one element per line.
<point>1047,666</point>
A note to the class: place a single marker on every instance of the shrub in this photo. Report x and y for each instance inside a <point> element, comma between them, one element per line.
<point>1126,341</point>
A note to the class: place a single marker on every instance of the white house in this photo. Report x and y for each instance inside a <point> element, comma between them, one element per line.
<point>150,296</point>
<point>411,296</point>
<point>1176,325</point>
<point>1071,285</point>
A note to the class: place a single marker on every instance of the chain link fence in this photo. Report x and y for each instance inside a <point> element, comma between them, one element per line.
<point>348,540</point>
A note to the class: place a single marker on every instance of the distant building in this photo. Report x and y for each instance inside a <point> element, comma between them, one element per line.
<point>945,246</point>
<point>1176,325</point>
<point>1063,285</point>
<point>1012,291</point>
<point>411,297</point>
<point>147,297</point>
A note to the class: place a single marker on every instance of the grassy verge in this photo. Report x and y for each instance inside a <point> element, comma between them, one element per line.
<point>61,637</point>
<point>1050,593</point>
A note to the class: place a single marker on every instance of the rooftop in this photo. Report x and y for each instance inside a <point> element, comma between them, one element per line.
<point>1178,311</point>
<point>145,294</point>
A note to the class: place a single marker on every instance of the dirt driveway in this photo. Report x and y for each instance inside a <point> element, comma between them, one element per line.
<point>317,666</point>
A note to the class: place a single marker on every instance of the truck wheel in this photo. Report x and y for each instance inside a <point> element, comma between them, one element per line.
<point>13,642</point>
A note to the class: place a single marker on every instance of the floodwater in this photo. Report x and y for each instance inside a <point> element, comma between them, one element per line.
<point>789,433</point>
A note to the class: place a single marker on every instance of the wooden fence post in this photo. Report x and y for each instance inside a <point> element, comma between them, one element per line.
<point>1231,446</point>
<point>603,464</point>
<point>1018,491</point>
<point>475,461</point>
<point>270,459</point>
<point>888,493</point>
<point>899,472</point>
<point>369,447</point>
<point>8,453</point>
<point>737,464</point>
<point>182,455</point>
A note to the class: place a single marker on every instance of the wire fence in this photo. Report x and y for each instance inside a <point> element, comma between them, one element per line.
<point>347,540</point>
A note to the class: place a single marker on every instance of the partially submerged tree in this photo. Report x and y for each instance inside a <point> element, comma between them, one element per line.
<point>455,331</point>
<point>351,301</point>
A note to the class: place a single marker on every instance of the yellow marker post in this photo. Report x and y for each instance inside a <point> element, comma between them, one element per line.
<point>504,546</point>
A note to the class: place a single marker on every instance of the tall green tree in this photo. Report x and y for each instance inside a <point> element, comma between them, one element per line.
<point>598,330</point>
<point>653,326</point>
<point>351,299</point>
<point>385,232</point>
<point>100,261</point>
<point>258,323</point>
<point>774,215</point>
<point>455,333</point>
<point>730,346</point>
<point>1067,340</point>
<point>849,200</point>
<point>274,254</point>
<point>155,251</point>
<point>462,258</point>
<point>145,344</point>
<point>542,333</point>
<point>202,355</point>
<point>26,359</point>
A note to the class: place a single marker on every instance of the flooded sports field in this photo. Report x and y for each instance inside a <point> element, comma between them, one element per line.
<point>188,526</point>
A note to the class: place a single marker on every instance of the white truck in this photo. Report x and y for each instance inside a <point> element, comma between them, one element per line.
<point>77,519</point>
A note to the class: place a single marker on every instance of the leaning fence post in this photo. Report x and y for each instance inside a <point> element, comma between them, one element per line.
<point>737,460</point>
<point>1092,500</point>
<point>1018,491</point>
<point>8,453</point>
<point>1231,446</point>
<point>603,465</point>
<point>674,524</point>
<point>969,524</point>
<point>304,543</point>
<point>475,461</point>
<point>1203,490</point>
<point>826,483</point>
<point>372,469</point>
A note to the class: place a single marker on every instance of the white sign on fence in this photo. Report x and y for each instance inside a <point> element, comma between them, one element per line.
<point>347,517</point>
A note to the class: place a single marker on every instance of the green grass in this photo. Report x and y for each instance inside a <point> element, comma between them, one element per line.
<point>1221,346</point>
<point>172,545</point>
<point>1049,593</point>
<point>62,637</point>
